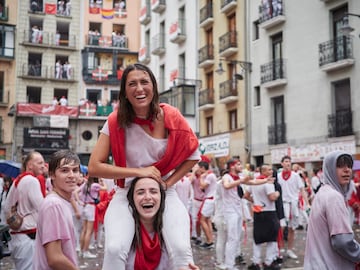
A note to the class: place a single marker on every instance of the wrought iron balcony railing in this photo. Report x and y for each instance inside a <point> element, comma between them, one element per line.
<point>228,40</point>
<point>277,134</point>
<point>273,70</point>
<point>228,89</point>
<point>206,53</point>
<point>340,123</point>
<point>206,97</point>
<point>270,10</point>
<point>206,12</point>
<point>335,50</point>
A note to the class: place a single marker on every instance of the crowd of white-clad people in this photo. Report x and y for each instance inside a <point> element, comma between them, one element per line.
<point>275,201</point>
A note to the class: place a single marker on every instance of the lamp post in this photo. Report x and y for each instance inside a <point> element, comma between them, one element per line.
<point>246,67</point>
<point>346,29</point>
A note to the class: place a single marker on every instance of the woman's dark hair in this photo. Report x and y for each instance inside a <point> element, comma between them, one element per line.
<point>126,114</point>
<point>158,220</point>
<point>90,181</point>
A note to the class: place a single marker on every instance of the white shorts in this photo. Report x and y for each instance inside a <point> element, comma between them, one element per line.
<point>208,208</point>
<point>88,212</point>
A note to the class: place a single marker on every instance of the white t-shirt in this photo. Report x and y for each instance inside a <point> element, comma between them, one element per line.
<point>260,196</point>
<point>291,187</point>
<point>148,152</point>
<point>329,216</point>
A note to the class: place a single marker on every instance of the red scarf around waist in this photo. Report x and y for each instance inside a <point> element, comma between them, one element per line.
<point>149,254</point>
<point>182,141</point>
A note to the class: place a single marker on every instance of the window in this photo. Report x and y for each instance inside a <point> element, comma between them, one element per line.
<point>182,97</point>
<point>2,82</point>
<point>277,131</point>
<point>338,20</point>
<point>33,94</point>
<point>34,65</point>
<point>93,61</point>
<point>58,93</point>
<point>257,96</point>
<point>7,43</point>
<point>114,95</point>
<point>93,95</point>
<point>256,30</point>
<point>35,34</point>
<point>61,37</point>
<point>36,5</point>
<point>182,61</point>
<point>233,120</point>
<point>161,79</point>
<point>209,125</point>
<point>342,97</point>
<point>276,41</point>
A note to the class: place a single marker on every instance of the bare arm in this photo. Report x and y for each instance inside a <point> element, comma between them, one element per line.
<point>180,171</point>
<point>99,167</point>
<point>56,258</point>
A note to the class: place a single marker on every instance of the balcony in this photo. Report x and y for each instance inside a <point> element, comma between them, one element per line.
<point>181,96</point>
<point>158,44</point>
<point>145,14</point>
<point>118,41</point>
<point>33,71</point>
<point>336,54</point>
<point>228,91</point>
<point>206,99</point>
<point>340,123</point>
<point>144,55</point>
<point>228,44</point>
<point>273,74</point>
<point>158,6</point>
<point>177,31</point>
<point>206,15</point>
<point>277,134</point>
<point>4,16</point>
<point>58,74</point>
<point>46,39</point>
<point>101,76</point>
<point>206,56</point>
<point>228,5</point>
<point>271,15</point>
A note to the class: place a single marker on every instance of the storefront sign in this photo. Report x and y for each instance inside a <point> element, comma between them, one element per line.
<point>217,146</point>
<point>311,152</point>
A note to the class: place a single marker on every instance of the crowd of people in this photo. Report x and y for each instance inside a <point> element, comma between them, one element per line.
<point>159,197</point>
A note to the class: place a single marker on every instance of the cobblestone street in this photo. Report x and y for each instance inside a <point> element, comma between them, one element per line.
<point>204,258</point>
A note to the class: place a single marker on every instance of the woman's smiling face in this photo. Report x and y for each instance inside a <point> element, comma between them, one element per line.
<point>147,198</point>
<point>139,89</point>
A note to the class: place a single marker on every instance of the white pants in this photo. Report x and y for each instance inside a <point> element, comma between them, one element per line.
<point>271,252</point>
<point>120,229</point>
<point>234,227</point>
<point>22,251</point>
<point>220,239</point>
<point>194,214</point>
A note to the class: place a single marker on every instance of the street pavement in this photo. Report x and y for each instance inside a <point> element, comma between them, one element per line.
<point>204,258</point>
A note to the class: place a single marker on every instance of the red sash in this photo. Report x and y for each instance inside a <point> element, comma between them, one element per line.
<point>149,254</point>
<point>182,141</point>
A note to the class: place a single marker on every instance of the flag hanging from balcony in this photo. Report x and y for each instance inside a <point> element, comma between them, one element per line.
<point>50,8</point>
<point>107,13</point>
<point>99,74</point>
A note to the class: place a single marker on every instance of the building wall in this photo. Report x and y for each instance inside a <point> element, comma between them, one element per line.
<point>308,93</point>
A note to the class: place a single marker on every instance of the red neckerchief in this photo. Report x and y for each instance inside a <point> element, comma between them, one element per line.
<point>149,254</point>
<point>286,175</point>
<point>144,122</point>
<point>261,176</point>
<point>182,141</point>
<point>235,176</point>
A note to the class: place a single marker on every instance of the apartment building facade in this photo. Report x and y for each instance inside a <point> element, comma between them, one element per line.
<point>304,82</point>
<point>169,47</point>
<point>224,70</point>
<point>111,41</point>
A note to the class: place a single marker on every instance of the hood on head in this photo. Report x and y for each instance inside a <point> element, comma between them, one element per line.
<point>330,177</point>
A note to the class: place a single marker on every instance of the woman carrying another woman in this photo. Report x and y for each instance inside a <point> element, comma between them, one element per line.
<point>146,139</point>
